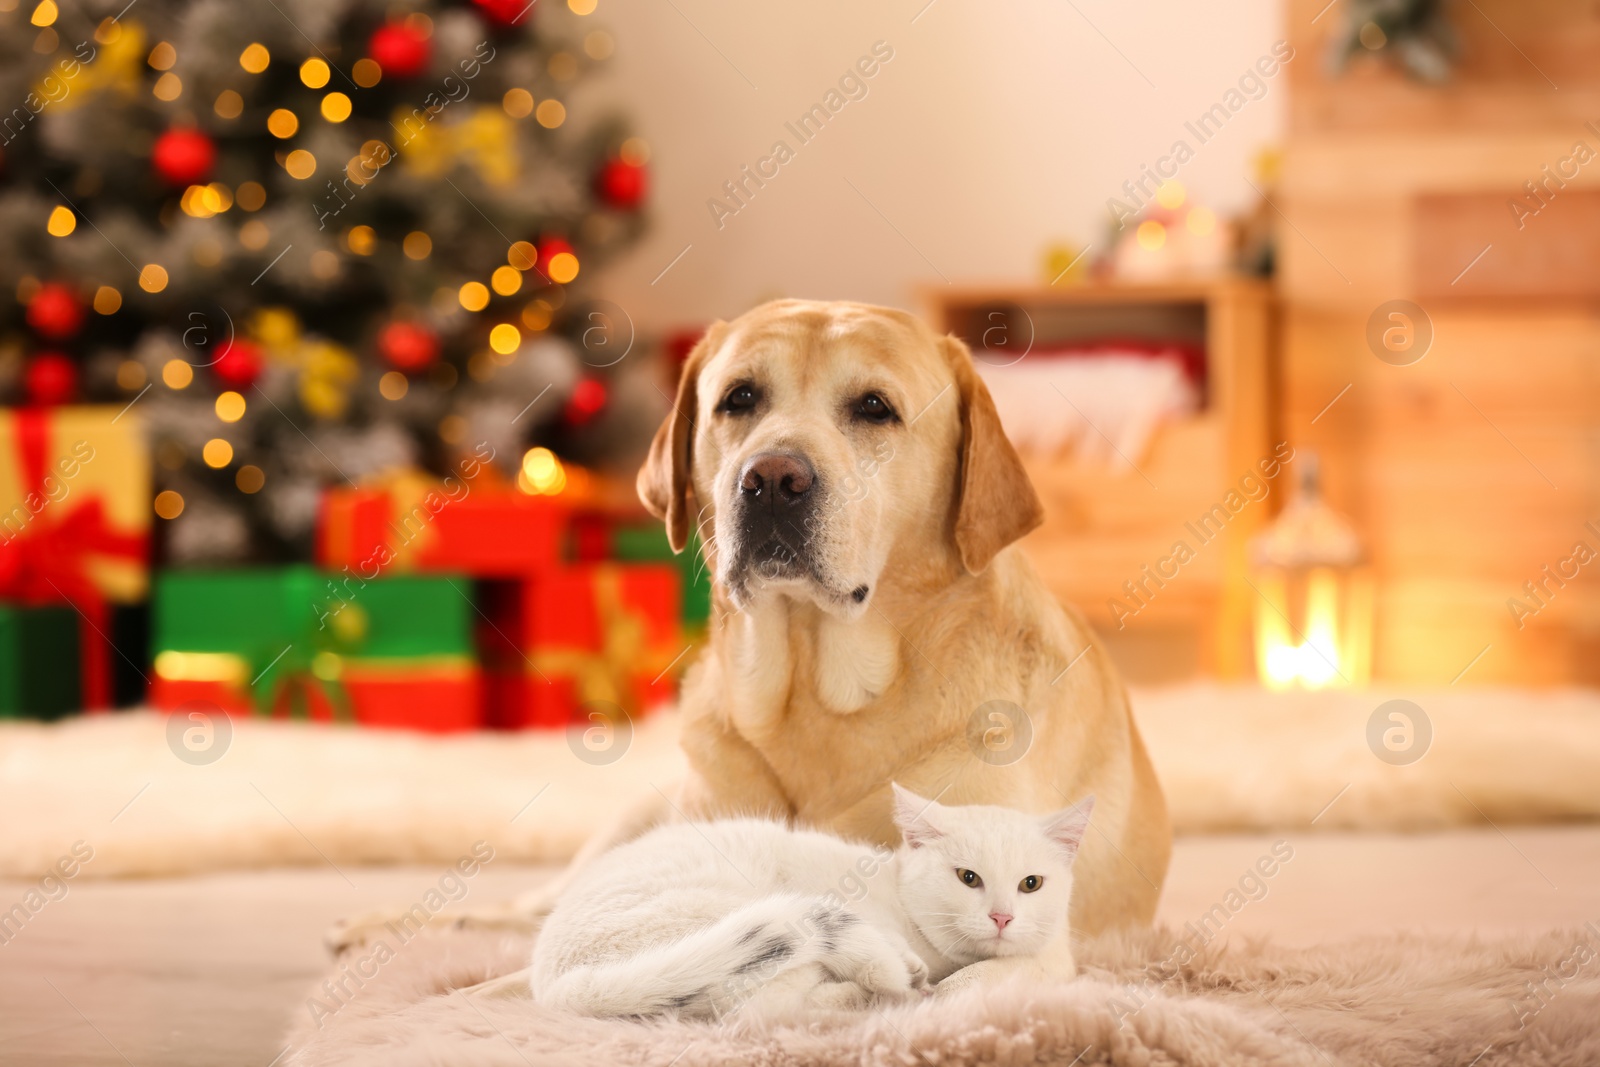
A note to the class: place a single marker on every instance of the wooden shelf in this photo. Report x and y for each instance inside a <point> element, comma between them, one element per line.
<point>1102,527</point>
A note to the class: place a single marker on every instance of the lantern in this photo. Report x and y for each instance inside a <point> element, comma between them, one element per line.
<point>1313,623</point>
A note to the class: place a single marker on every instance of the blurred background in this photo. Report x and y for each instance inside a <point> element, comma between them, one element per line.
<point>332,335</point>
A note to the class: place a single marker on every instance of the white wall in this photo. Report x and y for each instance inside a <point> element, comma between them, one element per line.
<point>994,131</point>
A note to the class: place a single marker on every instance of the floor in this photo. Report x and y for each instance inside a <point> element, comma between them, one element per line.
<point>206,970</point>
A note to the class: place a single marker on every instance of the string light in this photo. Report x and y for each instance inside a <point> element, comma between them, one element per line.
<point>106,302</point>
<point>366,73</point>
<point>168,87</point>
<point>417,245</point>
<point>153,278</point>
<point>505,338</point>
<point>217,453</point>
<point>581,7</point>
<point>283,123</point>
<point>176,374</point>
<point>229,105</point>
<point>522,255</point>
<point>563,267</point>
<point>361,240</point>
<point>254,59</point>
<point>62,221</point>
<point>393,385</point>
<point>130,375</point>
<point>45,14</point>
<point>506,280</point>
<point>314,73</point>
<point>336,107</point>
<point>518,103</point>
<point>250,196</point>
<point>542,474</point>
<point>254,235</point>
<point>249,478</point>
<point>550,114</point>
<point>169,504</point>
<point>230,406</point>
<point>474,296</point>
<point>300,164</point>
<point>162,56</point>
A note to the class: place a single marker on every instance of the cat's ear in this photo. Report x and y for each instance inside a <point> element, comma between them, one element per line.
<point>1066,827</point>
<point>911,815</point>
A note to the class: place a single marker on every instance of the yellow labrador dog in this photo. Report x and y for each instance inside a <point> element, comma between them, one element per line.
<point>873,621</point>
<point>859,503</point>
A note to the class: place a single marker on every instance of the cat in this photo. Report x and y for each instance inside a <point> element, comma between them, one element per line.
<point>698,920</point>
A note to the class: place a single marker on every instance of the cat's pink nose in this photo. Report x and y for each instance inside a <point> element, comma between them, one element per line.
<point>1000,919</point>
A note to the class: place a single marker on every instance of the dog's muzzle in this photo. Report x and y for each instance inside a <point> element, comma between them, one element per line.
<point>777,506</point>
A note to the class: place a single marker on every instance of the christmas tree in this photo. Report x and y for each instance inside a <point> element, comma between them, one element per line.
<point>312,241</point>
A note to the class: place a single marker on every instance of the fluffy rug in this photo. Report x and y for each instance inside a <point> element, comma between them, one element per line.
<point>1141,1000</point>
<point>291,793</point>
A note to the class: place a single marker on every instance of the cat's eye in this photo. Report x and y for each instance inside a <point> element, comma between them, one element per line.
<point>1031,883</point>
<point>969,878</point>
<point>740,399</point>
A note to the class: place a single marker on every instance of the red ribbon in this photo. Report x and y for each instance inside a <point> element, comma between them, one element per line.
<point>47,562</point>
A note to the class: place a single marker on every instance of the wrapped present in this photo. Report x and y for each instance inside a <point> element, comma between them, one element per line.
<point>600,634</point>
<point>410,522</point>
<point>39,671</point>
<point>75,483</point>
<point>648,541</point>
<point>298,642</point>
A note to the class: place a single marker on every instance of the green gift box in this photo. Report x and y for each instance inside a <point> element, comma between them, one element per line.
<point>391,651</point>
<point>40,676</point>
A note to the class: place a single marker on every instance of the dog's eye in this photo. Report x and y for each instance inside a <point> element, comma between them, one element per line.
<point>969,878</point>
<point>1030,884</point>
<point>874,408</point>
<point>740,398</point>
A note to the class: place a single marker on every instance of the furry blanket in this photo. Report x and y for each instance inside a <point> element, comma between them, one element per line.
<point>1229,758</point>
<point>1143,999</point>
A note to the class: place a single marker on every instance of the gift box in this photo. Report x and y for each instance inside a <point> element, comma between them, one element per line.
<point>294,641</point>
<point>413,523</point>
<point>75,486</point>
<point>578,639</point>
<point>648,542</point>
<point>39,668</point>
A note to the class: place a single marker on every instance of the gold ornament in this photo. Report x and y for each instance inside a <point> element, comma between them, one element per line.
<point>485,140</point>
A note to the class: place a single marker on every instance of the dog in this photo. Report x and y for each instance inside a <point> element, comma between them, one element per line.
<point>873,619</point>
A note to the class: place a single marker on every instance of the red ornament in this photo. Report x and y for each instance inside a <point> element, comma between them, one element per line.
<point>588,399</point>
<point>550,248</point>
<point>504,12</point>
<point>400,50</point>
<point>183,156</point>
<point>621,184</point>
<point>408,347</point>
<point>238,365</point>
<point>55,311</point>
<point>50,379</point>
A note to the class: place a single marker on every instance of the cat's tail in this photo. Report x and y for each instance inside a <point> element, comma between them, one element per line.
<point>712,970</point>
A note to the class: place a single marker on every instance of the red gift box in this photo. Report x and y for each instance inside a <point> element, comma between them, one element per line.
<point>598,634</point>
<point>411,523</point>
<point>77,485</point>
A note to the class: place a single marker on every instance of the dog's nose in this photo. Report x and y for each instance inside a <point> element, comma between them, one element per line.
<point>781,476</point>
<point>1000,920</point>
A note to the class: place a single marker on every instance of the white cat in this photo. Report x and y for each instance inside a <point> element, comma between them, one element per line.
<point>700,919</point>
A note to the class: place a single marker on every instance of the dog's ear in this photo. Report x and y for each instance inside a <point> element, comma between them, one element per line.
<point>995,501</point>
<point>664,482</point>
